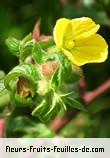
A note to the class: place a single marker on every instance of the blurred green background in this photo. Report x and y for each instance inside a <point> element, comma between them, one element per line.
<point>17,18</point>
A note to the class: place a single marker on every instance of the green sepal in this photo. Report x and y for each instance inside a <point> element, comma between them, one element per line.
<point>37,53</point>
<point>27,71</point>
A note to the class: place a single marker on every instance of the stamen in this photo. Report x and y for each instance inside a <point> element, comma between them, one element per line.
<point>69,44</point>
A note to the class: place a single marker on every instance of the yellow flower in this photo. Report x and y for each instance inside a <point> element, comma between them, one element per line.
<point>79,41</point>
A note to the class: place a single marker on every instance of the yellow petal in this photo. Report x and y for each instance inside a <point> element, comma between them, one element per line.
<point>90,50</point>
<point>83,27</point>
<point>62,31</point>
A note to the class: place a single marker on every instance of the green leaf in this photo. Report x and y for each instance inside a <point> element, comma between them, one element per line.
<point>26,46</point>
<point>28,71</point>
<point>13,45</point>
<point>25,40</point>
<point>51,114</point>
<point>37,52</point>
<point>75,104</point>
<point>26,51</point>
<point>56,104</point>
<point>57,78</point>
<point>39,108</point>
<point>47,109</point>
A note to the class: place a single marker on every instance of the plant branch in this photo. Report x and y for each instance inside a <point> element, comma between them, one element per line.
<point>86,98</point>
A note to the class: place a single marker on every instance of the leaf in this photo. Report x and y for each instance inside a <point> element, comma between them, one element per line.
<point>56,105</point>
<point>51,115</point>
<point>26,51</point>
<point>37,52</point>
<point>13,45</point>
<point>26,46</point>
<point>39,108</point>
<point>57,78</point>
<point>75,104</point>
<point>47,109</point>
<point>25,40</point>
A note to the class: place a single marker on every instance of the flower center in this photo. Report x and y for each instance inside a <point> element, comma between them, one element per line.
<point>69,44</point>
